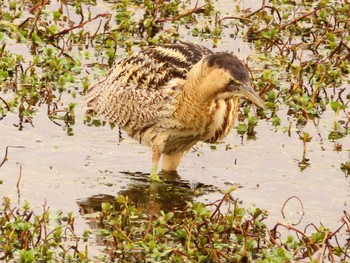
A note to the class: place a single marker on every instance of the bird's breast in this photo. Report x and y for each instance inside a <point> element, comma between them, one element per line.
<point>220,120</point>
<point>208,124</point>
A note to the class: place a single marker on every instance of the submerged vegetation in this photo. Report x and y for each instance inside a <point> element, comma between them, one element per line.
<point>51,51</point>
<point>221,231</point>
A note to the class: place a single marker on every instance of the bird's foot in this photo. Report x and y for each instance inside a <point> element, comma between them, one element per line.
<point>154,177</point>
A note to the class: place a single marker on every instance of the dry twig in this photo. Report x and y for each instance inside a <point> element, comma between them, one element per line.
<point>6,153</point>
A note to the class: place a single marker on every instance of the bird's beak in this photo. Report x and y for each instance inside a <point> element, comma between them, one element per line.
<point>248,92</point>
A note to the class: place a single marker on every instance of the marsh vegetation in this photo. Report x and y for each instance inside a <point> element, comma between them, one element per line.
<point>298,149</point>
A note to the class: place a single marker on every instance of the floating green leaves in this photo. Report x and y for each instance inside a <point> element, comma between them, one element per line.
<point>345,167</point>
<point>337,106</point>
<point>303,51</point>
<point>203,233</point>
<point>49,50</point>
<point>338,131</point>
<point>26,237</point>
<point>305,44</point>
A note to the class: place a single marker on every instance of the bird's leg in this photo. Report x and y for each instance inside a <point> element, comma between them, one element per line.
<point>156,154</point>
<point>172,161</point>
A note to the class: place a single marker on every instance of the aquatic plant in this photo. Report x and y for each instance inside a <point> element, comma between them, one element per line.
<point>28,237</point>
<point>50,53</point>
<point>300,59</point>
<point>221,231</point>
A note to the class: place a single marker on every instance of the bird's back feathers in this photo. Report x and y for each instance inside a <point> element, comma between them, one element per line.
<point>136,92</point>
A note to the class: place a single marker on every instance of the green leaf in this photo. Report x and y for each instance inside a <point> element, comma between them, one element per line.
<point>252,121</point>
<point>106,207</point>
<point>169,216</point>
<point>317,237</point>
<point>26,256</point>
<point>337,106</point>
<point>121,199</point>
<point>276,121</point>
<point>242,128</point>
<point>336,135</point>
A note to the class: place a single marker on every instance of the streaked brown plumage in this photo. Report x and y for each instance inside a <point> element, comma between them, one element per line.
<point>170,97</point>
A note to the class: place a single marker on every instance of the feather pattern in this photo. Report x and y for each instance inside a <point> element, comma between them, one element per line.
<point>172,96</point>
<point>139,90</point>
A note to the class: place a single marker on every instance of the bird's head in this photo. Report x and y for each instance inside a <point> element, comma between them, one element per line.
<point>224,75</point>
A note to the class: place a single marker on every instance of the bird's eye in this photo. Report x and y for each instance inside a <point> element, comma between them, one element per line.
<point>235,82</point>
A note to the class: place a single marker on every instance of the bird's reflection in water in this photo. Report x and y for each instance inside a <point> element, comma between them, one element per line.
<point>171,195</point>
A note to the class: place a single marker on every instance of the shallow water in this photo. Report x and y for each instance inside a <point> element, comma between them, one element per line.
<point>76,173</point>
<point>63,170</point>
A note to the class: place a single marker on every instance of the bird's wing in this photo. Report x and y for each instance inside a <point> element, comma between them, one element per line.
<point>141,89</point>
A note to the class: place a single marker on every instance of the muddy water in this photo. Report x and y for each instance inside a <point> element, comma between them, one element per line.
<point>65,169</point>
<point>76,173</point>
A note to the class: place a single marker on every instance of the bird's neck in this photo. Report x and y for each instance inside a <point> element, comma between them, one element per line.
<point>212,118</point>
<point>193,103</point>
<point>199,87</point>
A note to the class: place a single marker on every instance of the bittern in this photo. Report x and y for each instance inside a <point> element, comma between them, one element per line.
<point>171,96</point>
